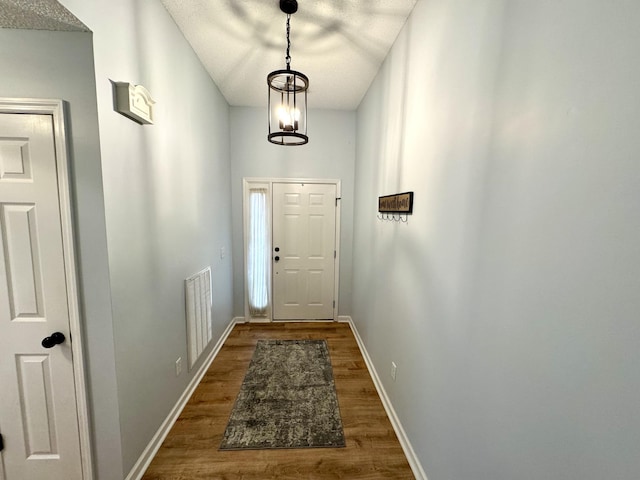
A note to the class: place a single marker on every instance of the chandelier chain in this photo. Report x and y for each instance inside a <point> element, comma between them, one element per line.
<point>288,57</point>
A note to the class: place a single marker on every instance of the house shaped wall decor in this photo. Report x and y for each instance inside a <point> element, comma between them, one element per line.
<point>134,102</point>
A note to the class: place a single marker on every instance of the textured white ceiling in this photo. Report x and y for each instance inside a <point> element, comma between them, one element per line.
<point>338,44</point>
<point>38,15</point>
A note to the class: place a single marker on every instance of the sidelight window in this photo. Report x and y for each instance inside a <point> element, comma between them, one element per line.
<point>258,251</point>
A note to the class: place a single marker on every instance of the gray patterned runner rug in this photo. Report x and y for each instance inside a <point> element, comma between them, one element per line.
<point>287,399</point>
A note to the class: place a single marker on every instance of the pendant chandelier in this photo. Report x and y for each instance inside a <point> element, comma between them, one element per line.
<point>288,96</point>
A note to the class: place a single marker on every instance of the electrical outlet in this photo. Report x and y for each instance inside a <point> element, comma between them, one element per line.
<point>222,252</point>
<point>394,368</point>
<point>178,366</point>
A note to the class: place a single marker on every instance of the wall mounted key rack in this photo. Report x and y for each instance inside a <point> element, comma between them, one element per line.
<point>395,207</point>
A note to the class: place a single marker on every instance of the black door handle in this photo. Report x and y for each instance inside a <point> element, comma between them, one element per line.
<point>277,258</point>
<point>55,339</point>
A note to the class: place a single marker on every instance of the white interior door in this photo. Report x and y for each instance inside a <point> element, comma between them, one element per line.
<point>38,416</point>
<point>304,231</point>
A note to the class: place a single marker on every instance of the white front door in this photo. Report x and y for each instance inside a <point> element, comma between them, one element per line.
<point>38,416</point>
<point>304,243</point>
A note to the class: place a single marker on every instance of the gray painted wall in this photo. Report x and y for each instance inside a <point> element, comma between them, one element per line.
<point>42,64</point>
<point>167,200</point>
<point>330,153</point>
<point>509,300</point>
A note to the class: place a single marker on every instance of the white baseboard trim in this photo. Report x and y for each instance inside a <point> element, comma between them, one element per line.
<point>147,455</point>
<point>414,463</point>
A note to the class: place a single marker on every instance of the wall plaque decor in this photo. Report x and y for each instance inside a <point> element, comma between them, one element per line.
<point>398,203</point>
<point>134,102</point>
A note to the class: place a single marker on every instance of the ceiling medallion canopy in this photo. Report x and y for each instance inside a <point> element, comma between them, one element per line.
<point>287,102</point>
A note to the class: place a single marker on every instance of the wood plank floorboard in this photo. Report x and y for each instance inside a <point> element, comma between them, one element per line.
<point>190,451</point>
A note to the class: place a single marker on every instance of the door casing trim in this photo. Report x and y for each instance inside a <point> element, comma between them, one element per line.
<point>57,110</point>
<point>248,182</point>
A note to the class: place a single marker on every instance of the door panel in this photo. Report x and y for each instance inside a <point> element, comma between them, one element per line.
<point>304,217</point>
<point>15,162</point>
<point>38,416</point>
<point>18,224</point>
<point>36,393</point>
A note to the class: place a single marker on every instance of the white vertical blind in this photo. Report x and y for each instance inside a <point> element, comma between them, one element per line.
<point>258,253</point>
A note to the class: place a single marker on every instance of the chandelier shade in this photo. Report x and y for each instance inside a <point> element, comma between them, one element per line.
<point>287,97</point>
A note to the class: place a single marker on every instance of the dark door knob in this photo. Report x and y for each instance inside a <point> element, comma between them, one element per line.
<point>277,249</point>
<point>276,258</point>
<point>55,339</point>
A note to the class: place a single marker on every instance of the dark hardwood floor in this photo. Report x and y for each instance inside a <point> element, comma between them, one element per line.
<point>190,451</point>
